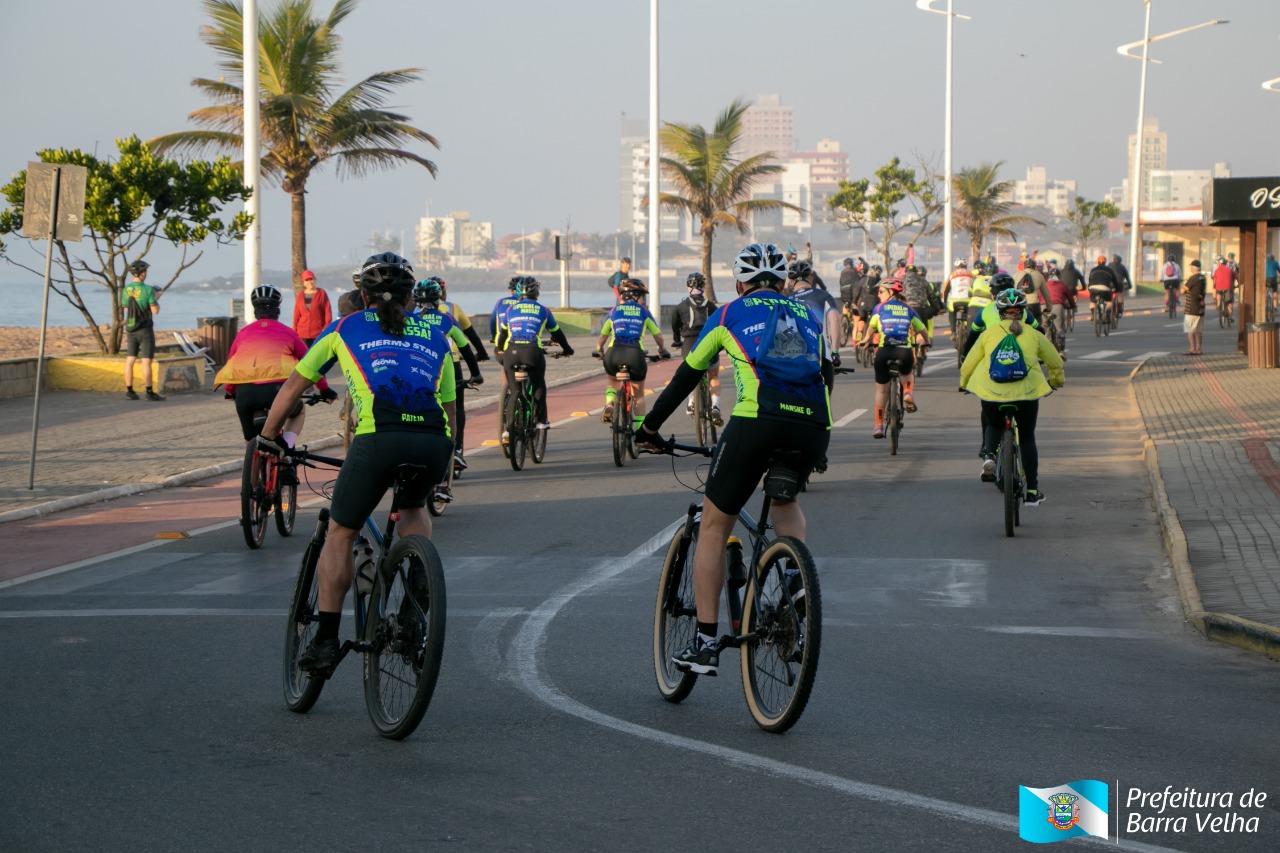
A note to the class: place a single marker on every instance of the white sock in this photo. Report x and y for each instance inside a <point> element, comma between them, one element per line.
<point>291,438</point>
<point>704,640</point>
<point>715,401</point>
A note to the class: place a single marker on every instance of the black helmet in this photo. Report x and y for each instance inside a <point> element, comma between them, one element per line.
<point>527,287</point>
<point>138,267</point>
<point>427,292</point>
<point>265,294</point>
<point>515,280</point>
<point>799,270</point>
<point>632,288</point>
<point>999,282</point>
<point>848,263</point>
<point>387,273</point>
<point>696,281</point>
<point>1169,258</point>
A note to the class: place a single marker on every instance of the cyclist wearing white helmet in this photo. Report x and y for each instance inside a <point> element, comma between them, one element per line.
<point>782,417</point>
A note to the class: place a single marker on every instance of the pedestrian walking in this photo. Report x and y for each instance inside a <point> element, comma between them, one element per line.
<point>1193,293</point>
<point>141,305</point>
<point>311,309</point>
<point>615,280</point>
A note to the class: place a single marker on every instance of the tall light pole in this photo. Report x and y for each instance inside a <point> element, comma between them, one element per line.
<point>1135,179</point>
<point>655,154</point>
<point>252,164</point>
<point>948,206</point>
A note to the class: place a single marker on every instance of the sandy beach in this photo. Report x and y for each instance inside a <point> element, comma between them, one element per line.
<point>24,342</point>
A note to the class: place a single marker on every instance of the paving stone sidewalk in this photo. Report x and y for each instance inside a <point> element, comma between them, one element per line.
<point>1215,428</point>
<point>94,446</point>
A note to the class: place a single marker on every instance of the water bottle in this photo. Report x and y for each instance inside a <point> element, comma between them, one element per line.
<point>737,567</point>
<point>364,566</point>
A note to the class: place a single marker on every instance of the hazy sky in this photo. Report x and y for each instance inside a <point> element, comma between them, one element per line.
<point>525,97</point>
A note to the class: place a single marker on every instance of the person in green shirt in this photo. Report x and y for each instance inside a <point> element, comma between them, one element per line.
<point>140,305</point>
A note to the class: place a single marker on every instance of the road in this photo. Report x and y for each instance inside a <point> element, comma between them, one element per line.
<point>142,700</point>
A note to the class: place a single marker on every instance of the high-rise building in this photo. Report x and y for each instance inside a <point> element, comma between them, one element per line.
<point>633,213</point>
<point>1155,156</point>
<point>767,126</point>
<point>455,238</point>
<point>1037,190</point>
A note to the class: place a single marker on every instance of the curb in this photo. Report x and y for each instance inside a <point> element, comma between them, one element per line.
<point>1223,627</point>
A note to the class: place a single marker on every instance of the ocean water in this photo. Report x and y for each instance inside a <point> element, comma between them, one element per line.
<point>181,308</point>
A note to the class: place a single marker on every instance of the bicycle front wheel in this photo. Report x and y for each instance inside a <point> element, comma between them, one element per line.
<point>784,613</point>
<point>406,625</point>
<point>255,503</point>
<point>301,689</point>
<point>286,504</point>
<point>675,620</point>
<point>1009,481</point>
<point>538,446</point>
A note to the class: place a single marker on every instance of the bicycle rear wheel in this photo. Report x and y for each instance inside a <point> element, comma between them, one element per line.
<point>286,505</point>
<point>893,414</point>
<point>674,617</point>
<point>1009,481</point>
<point>784,611</point>
<point>255,503</point>
<point>518,441</point>
<point>301,689</point>
<point>406,625</point>
<point>502,420</point>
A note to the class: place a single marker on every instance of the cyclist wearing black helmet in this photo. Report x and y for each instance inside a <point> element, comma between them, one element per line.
<point>686,327</point>
<point>624,330</point>
<point>990,314</point>
<point>141,305</point>
<point>400,375</point>
<point>262,356</point>
<point>782,413</point>
<point>520,340</point>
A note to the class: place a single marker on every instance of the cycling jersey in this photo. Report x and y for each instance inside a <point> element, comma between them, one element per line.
<point>627,323</point>
<point>498,313</point>
<point>461,322</point>
<point>525,323</point>
<point>395,383</point>
<point>895,320</point>
<point>265,351</point>
<point>959,286</point>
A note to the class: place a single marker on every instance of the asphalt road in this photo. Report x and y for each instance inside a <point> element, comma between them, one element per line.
<point>142,700</point>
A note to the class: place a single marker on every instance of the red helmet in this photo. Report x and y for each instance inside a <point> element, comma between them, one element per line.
<point>891,284</point>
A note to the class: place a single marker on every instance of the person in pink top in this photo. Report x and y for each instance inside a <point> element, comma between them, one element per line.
<point>1224,283</point>
<point>311,311</point>
<point>261,358</point>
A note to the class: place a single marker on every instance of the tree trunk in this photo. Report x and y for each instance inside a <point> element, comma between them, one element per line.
<point>707,237</point>
<point>298,224</point>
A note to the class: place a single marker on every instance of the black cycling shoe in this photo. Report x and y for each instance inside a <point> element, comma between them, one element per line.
<point>320,657</point>
<point>288,475</point>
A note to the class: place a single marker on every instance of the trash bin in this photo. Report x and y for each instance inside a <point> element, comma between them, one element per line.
<point>215,334</point>
<point>1261,341</point>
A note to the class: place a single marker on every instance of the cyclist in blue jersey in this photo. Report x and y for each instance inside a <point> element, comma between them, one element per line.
<point>500,311</point>
<point>624,329</point>
<point>783,415</point>
<point>899,328</point>
<point>520,340</point>
<point>400,375</point>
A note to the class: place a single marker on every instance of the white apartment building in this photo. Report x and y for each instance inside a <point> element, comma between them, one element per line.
<point>1155,157</point>
<point>1175,189</point>
<point>461,241</point>
<point>767,126</point>
<point>1037,190</point>
<point>633,171</point>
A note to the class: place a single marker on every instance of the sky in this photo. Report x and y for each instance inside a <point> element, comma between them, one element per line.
<point>526,97</point>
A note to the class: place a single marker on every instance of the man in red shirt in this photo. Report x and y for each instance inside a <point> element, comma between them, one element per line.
<point>1224,282</point>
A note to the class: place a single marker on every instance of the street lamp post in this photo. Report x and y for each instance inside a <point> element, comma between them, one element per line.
<point>1135,179</point>
<point>252,164</point>
<point>948,206</point>
<point>655,153</point>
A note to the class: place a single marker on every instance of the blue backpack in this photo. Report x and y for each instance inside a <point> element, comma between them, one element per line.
<point>786,355</point>
<point>1007,363</point>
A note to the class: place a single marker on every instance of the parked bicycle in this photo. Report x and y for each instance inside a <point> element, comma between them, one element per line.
<point>263,489</point>
<point>524,437</point>
<point>399,604</point>
<point>775,609</point>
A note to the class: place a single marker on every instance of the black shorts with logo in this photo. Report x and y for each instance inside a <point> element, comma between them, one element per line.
<point>626,354</point>
<point>746,447</point>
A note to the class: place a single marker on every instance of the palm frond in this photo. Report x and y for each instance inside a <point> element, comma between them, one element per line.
<point>357,162</point>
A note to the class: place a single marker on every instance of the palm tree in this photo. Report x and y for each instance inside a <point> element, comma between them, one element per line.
<point>982,205</point>
<point>305,120</point>
<point>713,187</point>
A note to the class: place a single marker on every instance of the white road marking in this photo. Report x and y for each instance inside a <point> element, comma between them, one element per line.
<point>1125,332</point>
<point>529,649</point>
<point>854,415</point>
<point>1147,355</point>
<point>1109,633</point>
<point>1100,354</point>
<point>1173,325</point>
<point>486,638</point>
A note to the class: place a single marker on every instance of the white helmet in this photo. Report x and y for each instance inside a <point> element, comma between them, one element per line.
<point>961,262</point>
<point>760,263</point>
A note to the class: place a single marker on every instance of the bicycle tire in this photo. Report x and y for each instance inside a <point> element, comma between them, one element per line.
<point>893,415</point>
<point>776,694</point>
<point>918,367</point>
<point>538,445</point>
<point>675,620</point>
<point>301,690</point>
<point>254,505</point>
<point>616,428</point>
<point>502,421</point>
<point>286,505</point>
<point>1097,321</point>
<point>1071,321</point>
<point>1008,480</point>
<point>700,420</point>
<point>518,437</point>
<point>406,625</point>
<point>962,338</point>
<point>631,430</point>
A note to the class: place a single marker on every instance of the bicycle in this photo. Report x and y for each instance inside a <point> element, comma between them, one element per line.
<point>960,332</point>
<point>1069,320</point>
<point>1223,305</point>
<point>443,494</point>
<point>775,609</point>
<point>704,425</point>
<point>399,604</point>
<point>1100,315</point>
<point>1171,302</point>
<point>1051,330</point>
<point>262,490</point>
<point>1009,475</point>
<point>894,408</point>
<point>621,421</point>
<point>524,437</point>
<point>920,352</point>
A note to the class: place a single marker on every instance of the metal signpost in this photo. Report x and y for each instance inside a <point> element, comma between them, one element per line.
<point>52,209</point>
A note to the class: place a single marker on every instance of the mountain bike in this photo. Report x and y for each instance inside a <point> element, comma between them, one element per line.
<point>894,409</point>
<point>1171,302</point>
<point>622,420</point>
<point>263,489</point>
<point>399,604</point>
<point>524,437</point>
<point>920,351</point>
<point>774,604</point>
<point>1051,330</point>
<point>960,332</point>
<point>1100,316</point>
<point>704,424</point>
<point>1009,475</point>
<point>1223,304</point>
<point>1069,320</point>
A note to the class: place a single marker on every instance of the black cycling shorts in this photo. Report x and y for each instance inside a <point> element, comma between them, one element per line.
<point>141,344</point>
<point>255,398</point>
<point>884,355</point>
<point>369,470</point>
<point>746,446</point>
<point>626,354</point>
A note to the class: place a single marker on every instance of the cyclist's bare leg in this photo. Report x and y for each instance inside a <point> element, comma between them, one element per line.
<point>882,398</point>
<point>708,561</point>
<point>637,405</point>
<point>787,519</point>
<point>334,566</point>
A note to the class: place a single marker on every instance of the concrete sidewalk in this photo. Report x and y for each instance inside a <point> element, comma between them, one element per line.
<point>94,446</point>
<point>1212,448</point>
